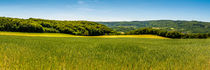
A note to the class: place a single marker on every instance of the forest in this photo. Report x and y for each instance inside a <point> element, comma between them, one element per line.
<point>169,25</point>
<point>84,28</point>
<point>87,28</point>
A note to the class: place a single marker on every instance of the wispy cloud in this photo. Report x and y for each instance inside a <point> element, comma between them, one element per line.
<point>80,2</point>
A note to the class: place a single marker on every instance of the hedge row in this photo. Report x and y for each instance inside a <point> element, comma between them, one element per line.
<point>169,34</point>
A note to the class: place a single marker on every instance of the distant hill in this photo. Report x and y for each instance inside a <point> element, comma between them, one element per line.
<point>170,25</point>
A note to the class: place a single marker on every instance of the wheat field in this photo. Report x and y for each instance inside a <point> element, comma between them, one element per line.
<point>91,53</point>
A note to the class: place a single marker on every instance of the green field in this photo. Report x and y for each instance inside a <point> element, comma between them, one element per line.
<point>68,35</point>
<point>89,53</point>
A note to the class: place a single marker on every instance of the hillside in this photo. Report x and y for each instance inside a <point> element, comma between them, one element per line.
<point>165,28</point>
<point>84,28</point>
<point>182,26</point>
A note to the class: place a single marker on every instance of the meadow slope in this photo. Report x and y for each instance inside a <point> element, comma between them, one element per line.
<point>85,53</point>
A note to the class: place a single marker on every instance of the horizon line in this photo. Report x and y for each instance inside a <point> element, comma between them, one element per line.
<point>109,20</point>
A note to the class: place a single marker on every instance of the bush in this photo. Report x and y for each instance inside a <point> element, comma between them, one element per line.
<point>173,34</point>
<point>30,27</point>
<point>208,34</point>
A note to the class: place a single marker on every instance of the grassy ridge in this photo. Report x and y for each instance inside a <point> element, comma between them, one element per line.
<point>43,53</point>
<point>67,35</point>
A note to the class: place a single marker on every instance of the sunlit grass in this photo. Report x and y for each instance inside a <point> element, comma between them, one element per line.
<point>131,36</point>
<point>87,53</point>
<point>67,35</point>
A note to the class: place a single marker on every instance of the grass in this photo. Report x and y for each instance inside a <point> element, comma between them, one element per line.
<point>67,35</point>
<point>91,53</point>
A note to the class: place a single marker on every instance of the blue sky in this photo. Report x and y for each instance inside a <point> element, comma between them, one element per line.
<point>107,10</point>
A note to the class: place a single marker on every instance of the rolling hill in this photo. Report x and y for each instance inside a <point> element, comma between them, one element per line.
<point>181,26</point>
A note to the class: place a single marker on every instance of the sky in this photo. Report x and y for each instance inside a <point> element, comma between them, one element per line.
<point>107,10</point>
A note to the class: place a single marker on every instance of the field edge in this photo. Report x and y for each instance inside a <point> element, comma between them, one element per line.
<point>68,35</point>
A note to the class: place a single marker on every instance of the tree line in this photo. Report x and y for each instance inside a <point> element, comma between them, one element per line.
<point>169,34</point>
<point>84,28</point>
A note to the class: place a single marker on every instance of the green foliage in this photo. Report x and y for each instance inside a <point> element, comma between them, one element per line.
<point>50,30</point>
<point>42,53</point>
<point>85,28</point>
<point>123,28</point>
<point>29,27</point>
<point>169,25</point>
<point>169,34</point>
<point>20,25</point>
<point>115,33</point>
<point>208,34</point>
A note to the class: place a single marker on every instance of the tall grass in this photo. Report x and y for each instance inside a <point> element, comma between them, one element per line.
<point>42,53</point>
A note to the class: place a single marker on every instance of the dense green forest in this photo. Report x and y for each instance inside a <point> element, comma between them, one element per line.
<point>170,25</point>
<point>85,28</point>
<point>169,34</point>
